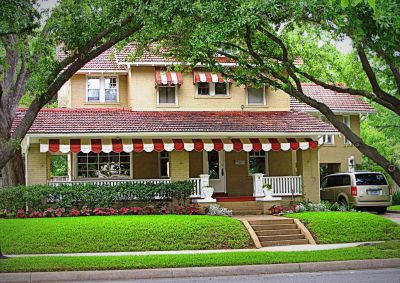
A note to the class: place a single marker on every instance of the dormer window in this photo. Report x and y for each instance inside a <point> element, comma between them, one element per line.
<point>167,95</point>
<point>102,89</point>
<point>208,84</point>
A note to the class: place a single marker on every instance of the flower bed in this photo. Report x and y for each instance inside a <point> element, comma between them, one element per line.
<point>100,211</point>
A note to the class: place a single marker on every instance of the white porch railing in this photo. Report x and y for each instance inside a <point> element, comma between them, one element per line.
<point>284,185</point>
<point>197,187</point>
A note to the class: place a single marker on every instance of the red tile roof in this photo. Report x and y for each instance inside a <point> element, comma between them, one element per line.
<point>338,102</point>
<point>104,62</point>
<point>90,120</point>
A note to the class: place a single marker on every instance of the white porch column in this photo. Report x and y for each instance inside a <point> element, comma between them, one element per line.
<point>258,190</point>
<point>205,190</point>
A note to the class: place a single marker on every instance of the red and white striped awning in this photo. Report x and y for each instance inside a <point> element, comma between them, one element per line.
<point>207,77</point>
<point>158,145</point>
<point>168,78</point>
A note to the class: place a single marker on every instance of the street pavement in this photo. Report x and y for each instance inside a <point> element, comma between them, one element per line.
<point>391,275</point>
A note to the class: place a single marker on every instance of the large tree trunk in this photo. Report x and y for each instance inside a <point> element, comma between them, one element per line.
<point>13,173</point>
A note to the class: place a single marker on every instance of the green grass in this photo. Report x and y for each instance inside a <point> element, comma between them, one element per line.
<point>394,207</point>
<point>42,263</point>
<point>121,233</point>
<point>346,227</point>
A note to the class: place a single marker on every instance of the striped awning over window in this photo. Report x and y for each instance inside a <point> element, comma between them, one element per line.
<point>158,145</point>
<point>207,77</point>
<point>168,78</point>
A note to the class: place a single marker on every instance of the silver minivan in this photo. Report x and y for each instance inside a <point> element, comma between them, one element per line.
<point>361,189</point>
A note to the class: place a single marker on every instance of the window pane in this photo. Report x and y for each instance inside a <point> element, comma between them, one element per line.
<point>166,95</point>
<point>257,162</point>
<point>93,89</point>
<point>370,179</point>
<point>110,85</point>
<point>213,164</point>
<point>220,89</point>
<point>103,165</point>
<point>255,95</point>
<point>164,164</point>
<point>203,89</point>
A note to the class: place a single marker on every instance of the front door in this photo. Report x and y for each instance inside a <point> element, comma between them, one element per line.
<point>214,165</point>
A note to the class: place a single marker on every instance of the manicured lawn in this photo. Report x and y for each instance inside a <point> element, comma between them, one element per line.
<point>383,250</point>
<point>394,207</point>
<point>121,233</point>
<point>346,227</point>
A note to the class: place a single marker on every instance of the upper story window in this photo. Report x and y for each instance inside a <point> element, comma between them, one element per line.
<point>212,89</point>
<point>167,95</point>
<point>255,96</point>
<point>346,120</point>
<point>102,89</point>
<point>328,139</point>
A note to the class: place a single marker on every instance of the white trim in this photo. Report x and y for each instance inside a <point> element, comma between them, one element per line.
<point>161,63</point>
<point>338,112</point>
<point>101,72</point>
<point>167,104</point>
<point>255,104</point>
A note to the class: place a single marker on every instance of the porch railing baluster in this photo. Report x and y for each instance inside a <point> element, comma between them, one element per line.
<point>284,185</point>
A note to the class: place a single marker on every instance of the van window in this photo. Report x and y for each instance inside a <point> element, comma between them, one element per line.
<point>363,179</point>
<point>346,180</point>
<point>324,183</point>
<point>332,181</point>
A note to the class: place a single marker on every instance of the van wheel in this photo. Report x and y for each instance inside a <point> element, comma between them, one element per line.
<point>381,210</point>
<point>342,201</point>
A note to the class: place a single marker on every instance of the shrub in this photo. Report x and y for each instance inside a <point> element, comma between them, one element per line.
<point>396,198</point>
<point>77,196</point>
<point>276,209</point>
<point>193,209</point>
<point>217,210</point>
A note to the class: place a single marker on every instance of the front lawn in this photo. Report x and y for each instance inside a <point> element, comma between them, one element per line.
<point>58,263</point>
<point>121,233</point>
<point>394,207</point>
<point>346,227</point>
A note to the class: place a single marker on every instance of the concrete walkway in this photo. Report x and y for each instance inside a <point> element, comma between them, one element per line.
<point>292,248</point>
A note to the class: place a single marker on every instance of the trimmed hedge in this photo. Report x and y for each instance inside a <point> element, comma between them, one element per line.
<point>38,197</point>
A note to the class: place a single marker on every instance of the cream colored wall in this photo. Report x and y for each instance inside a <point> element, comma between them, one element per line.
<point>308,168</point>
<point>64,95</point>
<point>179,165</point>
<point>37,166</point>
<point>78,93</point>
<point>340,152</point>
<point>143,95</point>
<point>280,163</point>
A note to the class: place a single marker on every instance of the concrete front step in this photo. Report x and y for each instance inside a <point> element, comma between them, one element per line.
<point>274,227</point>
<point>243,207</point>
<point>278,232</point>
<point>281,237</point>
<point>271,222</point>
<point>246,212</point>
<point>284,242</point>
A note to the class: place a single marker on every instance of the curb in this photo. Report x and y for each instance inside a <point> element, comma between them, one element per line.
<point>198,271</point>
<point>393,211</point>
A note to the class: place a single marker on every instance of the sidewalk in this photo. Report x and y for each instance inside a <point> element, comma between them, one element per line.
<point>265,249</point>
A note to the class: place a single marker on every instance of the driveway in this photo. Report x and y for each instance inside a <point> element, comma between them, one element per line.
<point>392,216</point>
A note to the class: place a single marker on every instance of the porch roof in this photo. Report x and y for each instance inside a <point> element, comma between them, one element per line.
<point>58,121</point>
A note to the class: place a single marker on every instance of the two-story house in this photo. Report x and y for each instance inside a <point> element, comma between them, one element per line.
<point>121,120</point>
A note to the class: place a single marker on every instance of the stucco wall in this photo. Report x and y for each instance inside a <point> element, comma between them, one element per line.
<point>179,165</point>
<point>340,152</point>
<point>78,93</point>
<point>37,166</point>
<point>143,95</point>
<point>308,168</point>
<point>280,163</point>
<point>195,164</point>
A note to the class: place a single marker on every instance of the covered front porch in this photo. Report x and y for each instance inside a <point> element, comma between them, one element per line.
<point>233,167</point>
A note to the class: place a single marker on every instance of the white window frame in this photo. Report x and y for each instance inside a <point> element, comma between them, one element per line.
<point>212,91</point>
<point>347,122</point>
<point>102,98</point>
<point>266,164</point>
<point>159,165</point>
<point>255,104</point>
<point>167,104</point>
